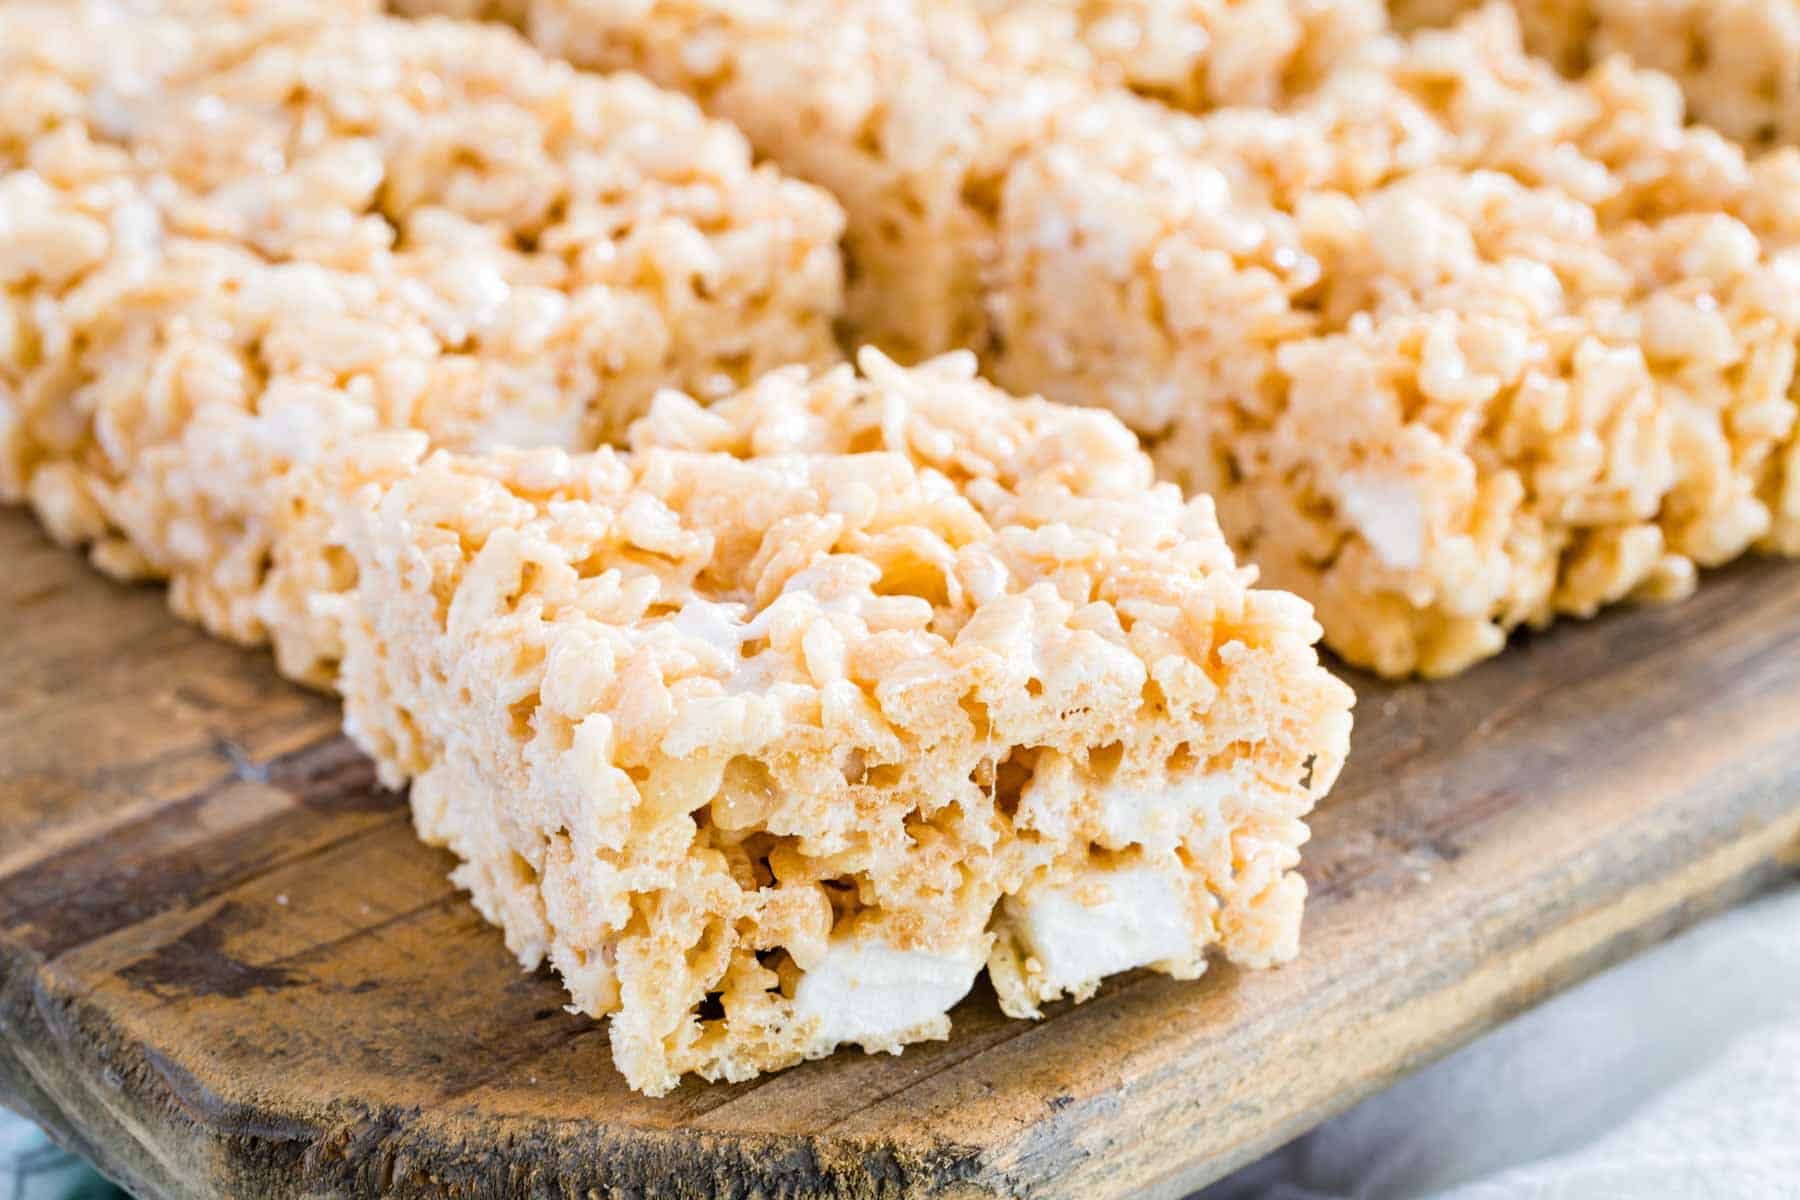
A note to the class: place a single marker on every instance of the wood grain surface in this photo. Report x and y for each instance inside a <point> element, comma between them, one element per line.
<point>227,968</point>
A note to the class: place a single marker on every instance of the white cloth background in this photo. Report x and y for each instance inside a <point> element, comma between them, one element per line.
<point>1675,1076</point>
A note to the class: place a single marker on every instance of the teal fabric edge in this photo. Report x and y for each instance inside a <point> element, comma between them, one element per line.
<point>32,1167</point>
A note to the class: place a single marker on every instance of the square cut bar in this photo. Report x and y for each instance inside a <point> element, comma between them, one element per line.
<point>911,111</point>
<point>1457,345</point>
<point>773,732</point>
<point>1737,61</point>
<point>274,233</point>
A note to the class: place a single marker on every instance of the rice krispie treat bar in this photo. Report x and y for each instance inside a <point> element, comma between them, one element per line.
<point>911,112</point>
<point>1738,61</point>
<point>772,733</point>
<point>347,137</point>
<point>1456,345</point>
<point>213,276</point>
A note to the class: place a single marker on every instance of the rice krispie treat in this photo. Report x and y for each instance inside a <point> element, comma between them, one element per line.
<point>911,111</point>
<point>1738,61</point>
<point>1456,345</point>
<point>211,278</point>
<point>772,733</point>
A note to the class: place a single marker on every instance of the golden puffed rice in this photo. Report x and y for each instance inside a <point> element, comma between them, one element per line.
<point>1737,61</point>
<point>1201,54</point>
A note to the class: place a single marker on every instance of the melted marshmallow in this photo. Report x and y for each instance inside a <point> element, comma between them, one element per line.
<point>1142,920</point>
<point>1158,818</point>
<point>722,626</point>
<point>868,992</point>
<point>528,426</point>
<point>1389,514</point>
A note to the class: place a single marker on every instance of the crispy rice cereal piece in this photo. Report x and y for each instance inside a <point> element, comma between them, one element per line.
<point>513,12</point>
<point>771,733</point>
<point>90,62</point>
<point>1456,345</point>
<point>1738,61</point>
<point>1202,54</point>
<point>911,111</point>
<point>353,226</point>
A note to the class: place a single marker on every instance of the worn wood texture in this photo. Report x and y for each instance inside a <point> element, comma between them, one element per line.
<point>227,969</point>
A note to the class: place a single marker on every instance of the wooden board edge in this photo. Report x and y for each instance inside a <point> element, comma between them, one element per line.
<point>159,1132</point>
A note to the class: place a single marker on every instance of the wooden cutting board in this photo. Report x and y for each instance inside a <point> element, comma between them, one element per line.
<point>227,969</point>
